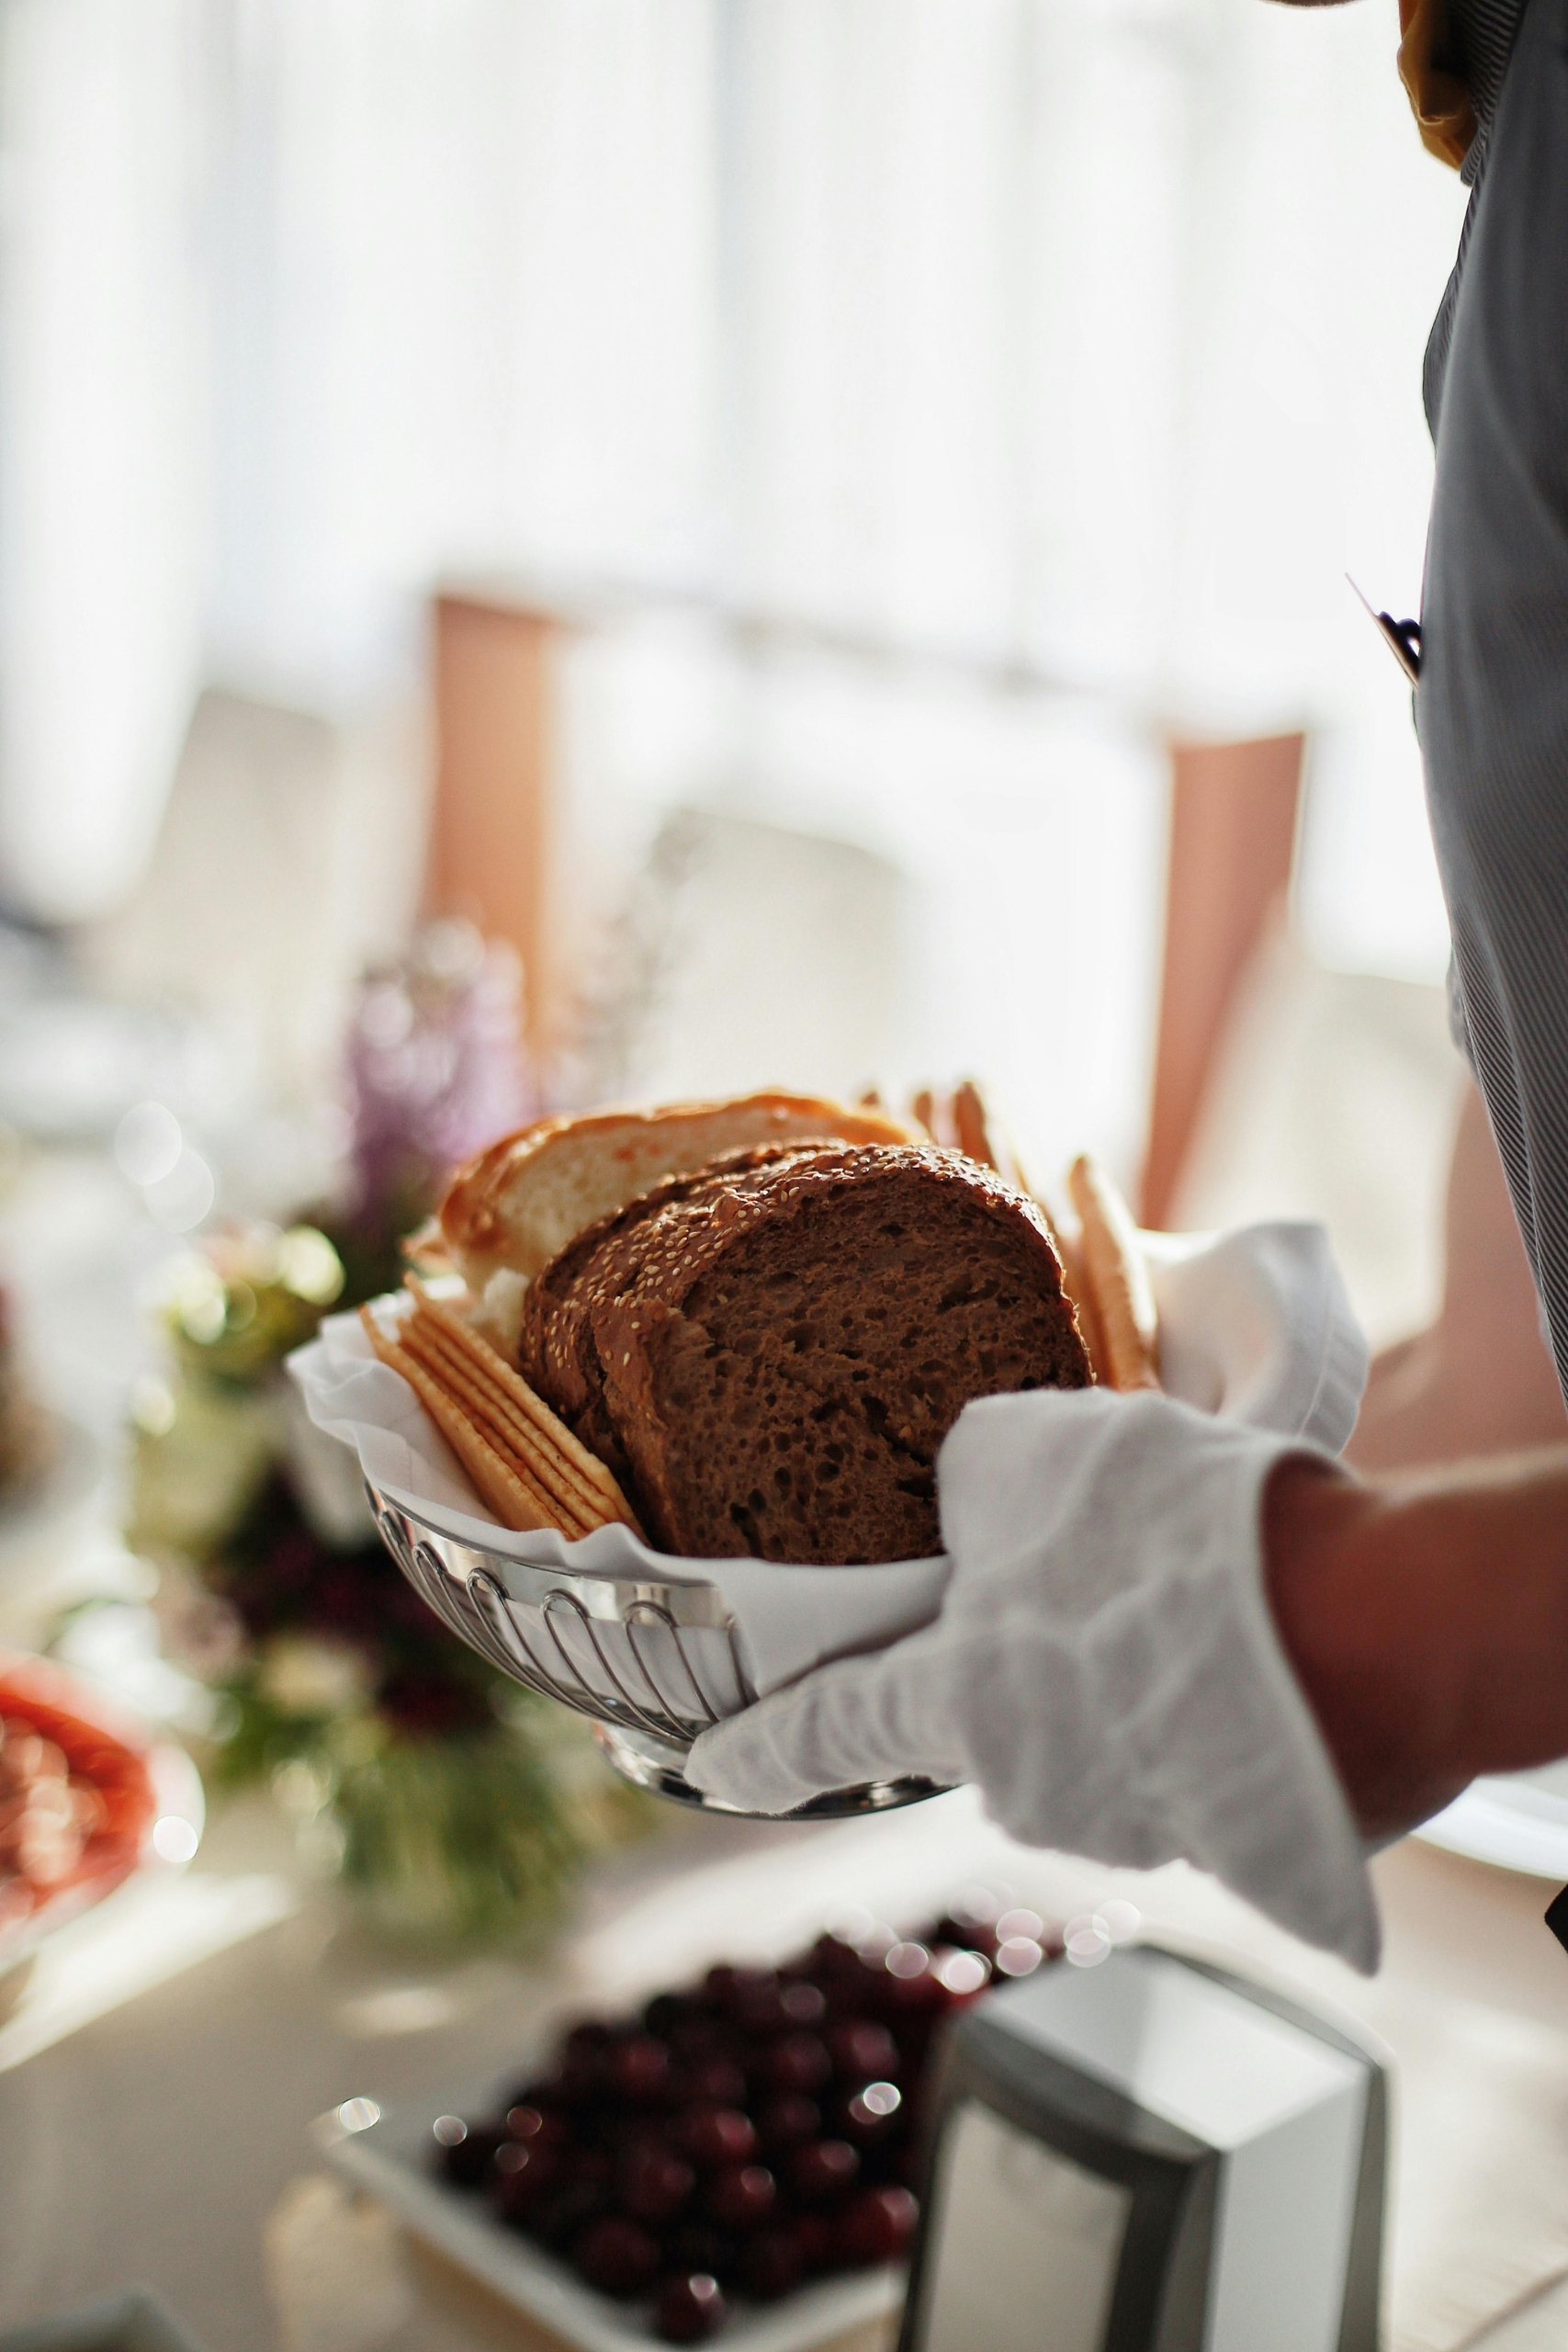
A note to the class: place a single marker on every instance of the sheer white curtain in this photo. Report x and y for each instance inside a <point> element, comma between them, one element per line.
<point>1082,335</point>
<point>1088,334</point>
<point>467,311</point>
<point>104,435</point>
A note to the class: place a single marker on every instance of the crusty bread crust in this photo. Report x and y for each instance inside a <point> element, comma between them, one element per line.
<point>521,1201</point>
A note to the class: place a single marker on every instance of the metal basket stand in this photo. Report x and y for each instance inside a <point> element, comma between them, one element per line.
<point>652,1664</point>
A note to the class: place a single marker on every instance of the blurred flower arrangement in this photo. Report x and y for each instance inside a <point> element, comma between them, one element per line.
<point>451,1802</point>
<point>434,1067</point>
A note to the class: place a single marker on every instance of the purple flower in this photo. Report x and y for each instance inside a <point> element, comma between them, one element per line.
<point>435,1065</point>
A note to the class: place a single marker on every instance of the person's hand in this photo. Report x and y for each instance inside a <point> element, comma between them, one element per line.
<point>1104,1667</point>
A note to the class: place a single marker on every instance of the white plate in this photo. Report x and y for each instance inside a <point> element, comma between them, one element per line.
<point>389,2154</point>
<point>1520,1822</point>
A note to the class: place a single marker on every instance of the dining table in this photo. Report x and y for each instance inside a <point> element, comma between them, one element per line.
<point>160,2131</point>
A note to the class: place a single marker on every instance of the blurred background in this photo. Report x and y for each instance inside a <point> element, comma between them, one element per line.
<point>825,526</point>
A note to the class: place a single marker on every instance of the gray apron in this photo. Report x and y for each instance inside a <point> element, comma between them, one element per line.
<point>1492,704</point>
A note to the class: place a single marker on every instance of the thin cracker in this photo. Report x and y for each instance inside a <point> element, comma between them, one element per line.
<point>503,1426</point>
<point>553,1431</point>
<point>495,1481</point>
<point>465,1397</point>
<point>466,1364</point>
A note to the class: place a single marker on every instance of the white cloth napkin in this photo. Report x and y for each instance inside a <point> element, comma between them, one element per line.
<point>1256,1325</point>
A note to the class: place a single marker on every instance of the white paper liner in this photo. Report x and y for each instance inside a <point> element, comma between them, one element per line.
<point>789,1619</point>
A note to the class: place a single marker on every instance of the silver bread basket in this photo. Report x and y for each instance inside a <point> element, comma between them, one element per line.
<point>651,1664</point>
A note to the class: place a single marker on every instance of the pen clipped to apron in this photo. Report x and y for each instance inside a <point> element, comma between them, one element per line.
<point>1401,637</point>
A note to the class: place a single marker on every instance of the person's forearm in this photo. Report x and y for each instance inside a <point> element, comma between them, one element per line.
<point>1481,1380</point>
<point>1428,1625</point>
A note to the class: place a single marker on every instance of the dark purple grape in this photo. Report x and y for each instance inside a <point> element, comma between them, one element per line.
<point>968,1935</point>
<point>594,2165</point>
<point>543,2127</point>
<point>863,2052</point>
<point>803,2002</point>
<point>840,1972</point>
<point>871,2114</point>
<point>666,2010</point>
<point>579,2076</point>
<point>690,2309</point>
<point>698,2246</point>
<point>563,2211</point>
<point>630,2138</point>
<point>655,2185</point>
<point>741,2197</point>
<point>877,2225</point>
<point>700,2036</point>
<point>816,2239</point>
<point>716,2135</point>
<point>786,2121</point>
<point>638,2069</point>
<point>756,2003</point>
<point>797,2061</point>
<point>616,2255</point>
<point>851,1984</point>
<point>911,1992</point>
<point>714,2082</point>
<point>822,2171</point>
<point>523,2177</point>
<point>464,2150</point>
<point>770,2264</point>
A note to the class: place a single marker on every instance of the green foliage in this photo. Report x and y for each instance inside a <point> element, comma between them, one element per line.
<point>456,1838</point>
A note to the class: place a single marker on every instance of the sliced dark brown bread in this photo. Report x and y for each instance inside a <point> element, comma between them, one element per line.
<point>556,1348</point>
<point>771,1350</point>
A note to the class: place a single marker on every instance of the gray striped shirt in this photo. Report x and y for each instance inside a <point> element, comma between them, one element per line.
<point>1483,34</point>
<point>1492,705</point>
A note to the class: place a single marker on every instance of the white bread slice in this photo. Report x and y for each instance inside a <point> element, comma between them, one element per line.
<point>519,1201</point>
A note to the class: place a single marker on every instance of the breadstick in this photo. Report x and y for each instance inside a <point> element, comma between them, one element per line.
<point>1114,1276</point>
<point>969,1121</point>
<point>922,1111</point>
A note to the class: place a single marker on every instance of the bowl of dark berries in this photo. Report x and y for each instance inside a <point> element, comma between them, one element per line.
<point>741,2155</point>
